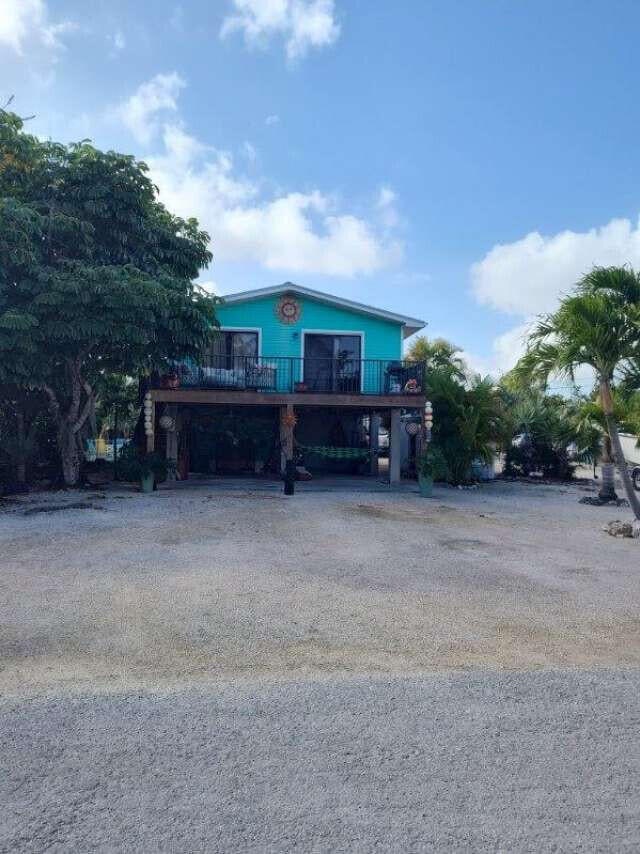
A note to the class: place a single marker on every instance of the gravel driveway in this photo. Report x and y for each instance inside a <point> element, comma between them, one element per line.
<point>231,670</point>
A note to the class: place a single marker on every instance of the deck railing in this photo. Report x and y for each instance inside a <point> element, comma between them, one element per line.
<point>287,375</point>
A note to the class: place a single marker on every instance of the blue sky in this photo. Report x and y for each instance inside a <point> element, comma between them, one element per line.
<point>463,162</point>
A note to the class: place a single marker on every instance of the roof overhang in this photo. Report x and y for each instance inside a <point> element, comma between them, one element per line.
<point>409,324</point>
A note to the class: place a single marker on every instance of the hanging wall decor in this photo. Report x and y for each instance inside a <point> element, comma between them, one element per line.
<point>288,309</point>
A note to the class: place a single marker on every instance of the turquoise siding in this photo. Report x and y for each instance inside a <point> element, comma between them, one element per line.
<point>381,339</point>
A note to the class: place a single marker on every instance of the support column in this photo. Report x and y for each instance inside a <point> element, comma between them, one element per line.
<point>287,423</point>
<point>395,449</point>
<point>374,440</point>
<point>171,410</point>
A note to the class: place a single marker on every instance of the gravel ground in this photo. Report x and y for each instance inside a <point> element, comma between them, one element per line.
<point>198,585</point>
<point>468,762</point>
<point>229,669</point>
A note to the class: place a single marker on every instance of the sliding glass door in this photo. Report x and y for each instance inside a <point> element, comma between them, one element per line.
<point>233,350</point>
<point>332,363</point>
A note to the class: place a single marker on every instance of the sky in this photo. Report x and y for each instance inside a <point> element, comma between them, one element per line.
<point>460,161</point>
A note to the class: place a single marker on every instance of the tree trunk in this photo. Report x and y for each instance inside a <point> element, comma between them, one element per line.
<point>69,454</point>
<point>616,446</point>
<point>70,423</point>
<point>607,484</point>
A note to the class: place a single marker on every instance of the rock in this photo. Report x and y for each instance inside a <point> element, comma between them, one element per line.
<point>623,529</point>
<point>596,501</point>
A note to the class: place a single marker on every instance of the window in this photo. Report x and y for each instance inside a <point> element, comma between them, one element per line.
<point>234,349</point>
<point>332,362</point>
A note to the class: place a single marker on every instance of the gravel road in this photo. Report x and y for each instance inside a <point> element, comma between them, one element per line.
<point>347,670</point>
<point>466,762</point>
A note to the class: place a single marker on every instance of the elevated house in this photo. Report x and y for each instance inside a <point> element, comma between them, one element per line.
<point>293,374</point>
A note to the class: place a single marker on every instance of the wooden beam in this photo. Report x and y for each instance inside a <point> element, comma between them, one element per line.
<point>286,435</point>
<point>394,447</point>
<point>256,398</point>
<point>374,441</point>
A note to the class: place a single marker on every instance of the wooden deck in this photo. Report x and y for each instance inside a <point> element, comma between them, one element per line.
<point>230,397</point>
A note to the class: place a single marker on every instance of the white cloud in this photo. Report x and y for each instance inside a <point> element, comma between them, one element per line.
<point>296,232</point>
<point>25,24</point>
<point>272,120</point>
<point>210,287</point>
<point>292,232</point>
<point>141,111</point>
<point>528,276</point>
<point>506,350</point>
<point>303,24</point>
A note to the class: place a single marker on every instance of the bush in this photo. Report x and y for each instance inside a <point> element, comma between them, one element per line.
<point>133,466</point>
<point>432,464</point>
<point>533,456</point>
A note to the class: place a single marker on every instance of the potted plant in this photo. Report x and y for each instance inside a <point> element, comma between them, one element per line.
<point>171,380</point>
<point>153,469</point>
<point>148,469</point>
<point>431,466</point>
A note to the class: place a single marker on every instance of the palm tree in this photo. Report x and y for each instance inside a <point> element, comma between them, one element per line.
<point>599,327</point>
<point>438,355</point>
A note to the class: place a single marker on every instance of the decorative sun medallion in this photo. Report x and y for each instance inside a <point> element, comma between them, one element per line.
<point>288,309</point>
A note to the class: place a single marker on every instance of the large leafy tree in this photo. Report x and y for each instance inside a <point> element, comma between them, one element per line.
<point>95,276</point>
<point>598,326</point>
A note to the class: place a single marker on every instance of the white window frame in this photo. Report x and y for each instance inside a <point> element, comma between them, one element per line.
<point>257,329</point>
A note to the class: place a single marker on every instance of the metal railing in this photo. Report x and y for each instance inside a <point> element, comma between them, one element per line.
<point>287,375</point>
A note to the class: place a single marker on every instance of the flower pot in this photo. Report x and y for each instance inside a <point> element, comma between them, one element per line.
<point>146,482</point>
<point>425,484</point>
<point>171,381</point>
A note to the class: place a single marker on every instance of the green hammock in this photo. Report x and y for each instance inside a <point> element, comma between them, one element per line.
<point>332,453</point>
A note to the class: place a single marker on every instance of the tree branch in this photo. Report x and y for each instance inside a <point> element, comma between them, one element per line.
<point>87,409</point>
<point>54,406</point>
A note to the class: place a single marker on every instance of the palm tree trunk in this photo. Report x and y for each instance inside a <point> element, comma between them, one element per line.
<point>607,469</point>
<point>616,446</point>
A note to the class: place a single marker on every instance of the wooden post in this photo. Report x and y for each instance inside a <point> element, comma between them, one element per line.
<point>394,447</point>
<point>172,441</point>
<point>374,440</point>
<point>287,416</point>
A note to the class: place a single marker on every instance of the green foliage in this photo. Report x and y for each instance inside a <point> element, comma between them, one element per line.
<point>438,355</point>
<point>95,274</point>
<point>468,421</point>
<point>133,466</point>
<point>596,326</point>
<point>117,401</point>
<point>432,463</point>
